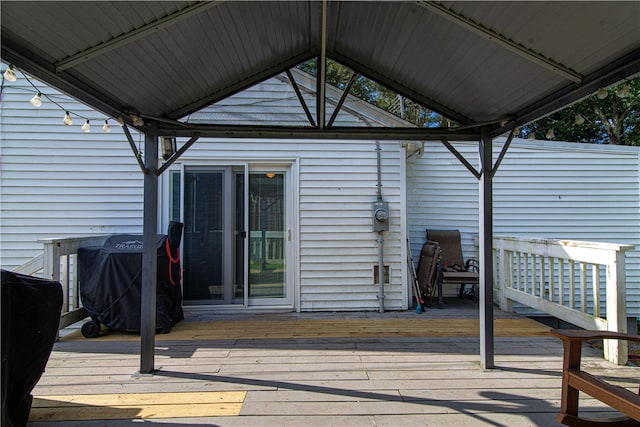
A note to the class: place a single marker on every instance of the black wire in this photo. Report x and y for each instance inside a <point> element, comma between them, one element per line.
<point>49,98</point>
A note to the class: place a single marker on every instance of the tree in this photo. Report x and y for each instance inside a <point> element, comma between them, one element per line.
<point>379,95</point>
<point>610,116</point>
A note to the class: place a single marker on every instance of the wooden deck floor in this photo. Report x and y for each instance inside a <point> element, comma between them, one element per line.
<point>390,369</point>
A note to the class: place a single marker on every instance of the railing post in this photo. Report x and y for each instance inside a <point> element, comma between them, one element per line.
<point>51,261</point>
<point>504,280</point>
<point>616,351</point>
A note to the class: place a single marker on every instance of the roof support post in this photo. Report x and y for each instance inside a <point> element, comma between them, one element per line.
<point>322,69</point>
<point>149,256</point>
<point>486,252</point>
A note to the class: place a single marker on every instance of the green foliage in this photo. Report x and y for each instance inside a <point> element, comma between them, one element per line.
<point>614,119</point>
<point>376,94</point>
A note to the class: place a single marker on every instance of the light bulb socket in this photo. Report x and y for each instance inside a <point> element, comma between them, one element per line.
<point>36,101</point>
<point>623,91</point>
<point>67,119</point>
<point>10,74</point>
<point>136,120</point>
<point>602,93</point>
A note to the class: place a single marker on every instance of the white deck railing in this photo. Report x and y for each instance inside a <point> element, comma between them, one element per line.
<point>582,283</point>
<point>58,262</point>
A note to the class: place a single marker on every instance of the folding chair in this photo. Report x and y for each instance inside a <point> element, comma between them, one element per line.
<point>427,270</point>
<point>452,268</point>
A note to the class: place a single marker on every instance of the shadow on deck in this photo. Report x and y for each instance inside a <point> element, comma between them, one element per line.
<point>315,369</point>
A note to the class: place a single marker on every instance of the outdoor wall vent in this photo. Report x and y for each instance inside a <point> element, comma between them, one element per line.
<point>375,274</point>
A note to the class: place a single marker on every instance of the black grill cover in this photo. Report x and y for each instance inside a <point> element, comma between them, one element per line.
<point>110,281</point>
<point>31,310</point>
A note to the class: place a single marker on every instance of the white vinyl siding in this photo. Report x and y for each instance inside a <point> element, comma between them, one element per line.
<point>551,190</point>
<point>337,183</point>
<point>57,181</point>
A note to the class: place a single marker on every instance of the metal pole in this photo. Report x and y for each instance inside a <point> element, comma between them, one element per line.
<point>380,271</point>
<point>149,256</point>
<point>322,67</point>
<point>486,253</point>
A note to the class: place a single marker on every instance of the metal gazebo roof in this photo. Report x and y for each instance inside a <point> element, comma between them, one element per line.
<point>475,62</point>
<point>489,65</point>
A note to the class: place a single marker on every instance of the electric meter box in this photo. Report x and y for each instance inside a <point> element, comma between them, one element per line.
<point>380,215</point>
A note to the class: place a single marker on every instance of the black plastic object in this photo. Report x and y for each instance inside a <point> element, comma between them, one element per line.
<point>31,310</point>
<point>111,282</point>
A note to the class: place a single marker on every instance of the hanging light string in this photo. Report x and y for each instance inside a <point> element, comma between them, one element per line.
<point>9,75</point>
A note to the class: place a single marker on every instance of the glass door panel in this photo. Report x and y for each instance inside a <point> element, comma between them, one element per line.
<point>204,236</point>
<point>240,237</point>
<point>267,236</point>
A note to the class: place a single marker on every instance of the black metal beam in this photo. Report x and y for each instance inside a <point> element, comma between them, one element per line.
<point>345,93</point>
<point>149,256</point>
<point>321,92</point>
<point>610,74</point>
<point>240,86</point>
<point>296,89</point>
<point>307,133</point>
<point>41,69</point>
<point>486,254</point>
<point>460,157</point>
<point>402,90</point>
<point>501,40</point>
<point>177,154</point>
<point>136,152</point>
<point>134,35</point>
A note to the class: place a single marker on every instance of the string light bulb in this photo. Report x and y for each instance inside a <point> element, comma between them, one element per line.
<point>550,134</point>
<point>137,120</point>
<point>10,74</point>
<point>579,119</point>
<point>36,101</point>
<point>67,119</point>
<point>105,127</point>
<point>624,91</point>
<point>602,93</point>
<point>531,136</point>
<point>120,121</point>
<point>86,127</point>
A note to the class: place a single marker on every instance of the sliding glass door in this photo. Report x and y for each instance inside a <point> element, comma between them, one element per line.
<point>236,235</point>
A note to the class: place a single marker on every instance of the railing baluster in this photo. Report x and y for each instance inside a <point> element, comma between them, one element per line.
<point>74,286</point>
<point>561,281</point>
<point>572,284</point>
<point>595,281</point>
<point>583,287</point>
<point>519,271</point>
<point>536,275</point>
<point>552,272</point>
<point>64,281</point>
<point>543,280</point>
<point>526,273</point>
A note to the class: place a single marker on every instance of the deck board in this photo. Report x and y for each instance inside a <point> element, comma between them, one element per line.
<point>398,372</point>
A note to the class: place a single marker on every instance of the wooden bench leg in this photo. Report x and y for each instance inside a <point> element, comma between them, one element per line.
<point>570,395</point>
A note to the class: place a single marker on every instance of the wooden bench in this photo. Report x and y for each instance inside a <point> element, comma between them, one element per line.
<point>574,380</point>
